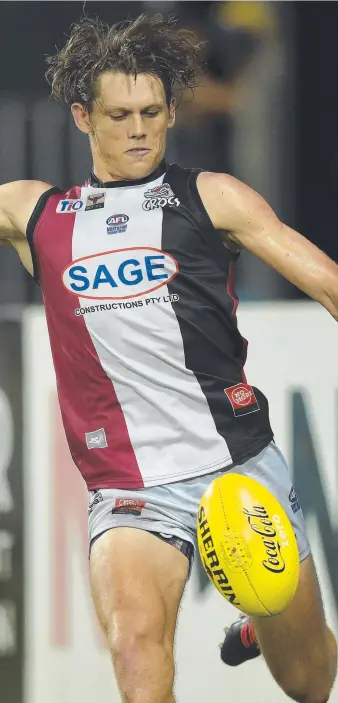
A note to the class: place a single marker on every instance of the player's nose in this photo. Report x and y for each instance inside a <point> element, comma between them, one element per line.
<point>137,129</point>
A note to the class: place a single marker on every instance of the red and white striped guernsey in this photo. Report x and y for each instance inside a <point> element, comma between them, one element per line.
<point>140,305</point>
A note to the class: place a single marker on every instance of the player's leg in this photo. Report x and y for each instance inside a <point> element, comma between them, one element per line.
<point>298,647</point>
<point>137,584</point>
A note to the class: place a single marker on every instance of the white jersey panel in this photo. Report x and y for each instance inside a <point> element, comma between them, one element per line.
<point>137,336</point>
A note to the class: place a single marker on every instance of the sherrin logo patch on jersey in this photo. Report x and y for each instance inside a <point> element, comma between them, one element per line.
<point>117,224</point>
<point>242,398</point>
<point>120,274</point>
<point>160,196</point>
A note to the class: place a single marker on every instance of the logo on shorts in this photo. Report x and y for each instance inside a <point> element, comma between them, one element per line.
<point>160,196</point>
<point>117,224</point>
<point>97,498</point>
<point>293,498</point>
<point>95,201</point>
<point>242,398</point>
<point>96,439</point>
<point>128,506</point>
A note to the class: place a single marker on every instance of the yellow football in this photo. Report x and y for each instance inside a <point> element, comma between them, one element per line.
<point>247,545</point>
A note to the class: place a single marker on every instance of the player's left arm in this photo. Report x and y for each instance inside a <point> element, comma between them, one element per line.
<point>251,223</point>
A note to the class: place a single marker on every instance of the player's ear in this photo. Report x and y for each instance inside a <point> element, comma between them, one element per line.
<point>81,118</point>
<point>172,113</point>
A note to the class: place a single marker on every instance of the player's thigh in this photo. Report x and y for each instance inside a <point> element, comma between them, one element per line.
<point>296,644</point>
<point>137,583</point>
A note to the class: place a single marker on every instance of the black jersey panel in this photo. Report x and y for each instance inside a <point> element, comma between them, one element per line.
<point>204,304</point>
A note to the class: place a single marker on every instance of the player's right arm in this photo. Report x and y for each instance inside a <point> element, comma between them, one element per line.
<point>17,202</point>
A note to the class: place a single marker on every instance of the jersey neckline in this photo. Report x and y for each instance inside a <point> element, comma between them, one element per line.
<point>94,182</point>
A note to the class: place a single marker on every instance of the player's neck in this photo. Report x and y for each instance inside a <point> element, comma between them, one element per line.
<point>102,175</point>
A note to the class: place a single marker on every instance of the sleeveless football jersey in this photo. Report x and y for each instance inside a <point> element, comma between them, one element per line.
<point>138,289</point>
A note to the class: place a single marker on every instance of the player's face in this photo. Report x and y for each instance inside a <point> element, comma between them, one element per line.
<point>127,125</point>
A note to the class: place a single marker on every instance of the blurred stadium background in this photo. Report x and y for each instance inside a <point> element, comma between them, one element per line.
<point>266,112</point>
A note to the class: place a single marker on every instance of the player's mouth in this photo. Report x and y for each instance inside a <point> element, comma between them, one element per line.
<point>138,151</point>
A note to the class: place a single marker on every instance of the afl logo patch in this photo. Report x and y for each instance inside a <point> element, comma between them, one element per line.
<point>116,224</point>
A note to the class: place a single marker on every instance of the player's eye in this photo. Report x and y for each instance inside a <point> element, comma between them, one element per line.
<point>152,113</point>
<point>118,118</point>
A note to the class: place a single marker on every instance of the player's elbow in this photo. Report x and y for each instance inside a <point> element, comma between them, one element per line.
<point>330,297</point>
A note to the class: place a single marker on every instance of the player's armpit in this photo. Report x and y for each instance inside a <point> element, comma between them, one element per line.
<point>17,202</point>
<point>251,222</point>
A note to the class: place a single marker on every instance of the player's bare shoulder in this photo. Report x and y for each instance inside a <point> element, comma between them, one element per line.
<point>17,202</point>
<point>220,194</point>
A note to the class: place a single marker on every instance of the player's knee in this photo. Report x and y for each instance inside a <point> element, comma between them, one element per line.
<point>305,687</point>
<point>144,670</point>
<point>143,660</point>
<point>307,694</point>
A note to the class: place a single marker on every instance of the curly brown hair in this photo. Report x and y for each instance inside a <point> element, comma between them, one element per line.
<point>148,44</point>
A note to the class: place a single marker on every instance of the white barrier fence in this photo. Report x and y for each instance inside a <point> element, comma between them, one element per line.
<point>293,359</point>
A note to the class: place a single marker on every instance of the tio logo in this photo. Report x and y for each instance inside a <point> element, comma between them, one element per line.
<point>69,206</point>
<point>120,274</point>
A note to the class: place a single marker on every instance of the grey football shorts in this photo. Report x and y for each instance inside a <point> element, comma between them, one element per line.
<point>170,511</point>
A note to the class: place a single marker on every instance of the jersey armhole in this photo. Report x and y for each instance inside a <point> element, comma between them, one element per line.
<point>206,223</point>
<point>32,223</point>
